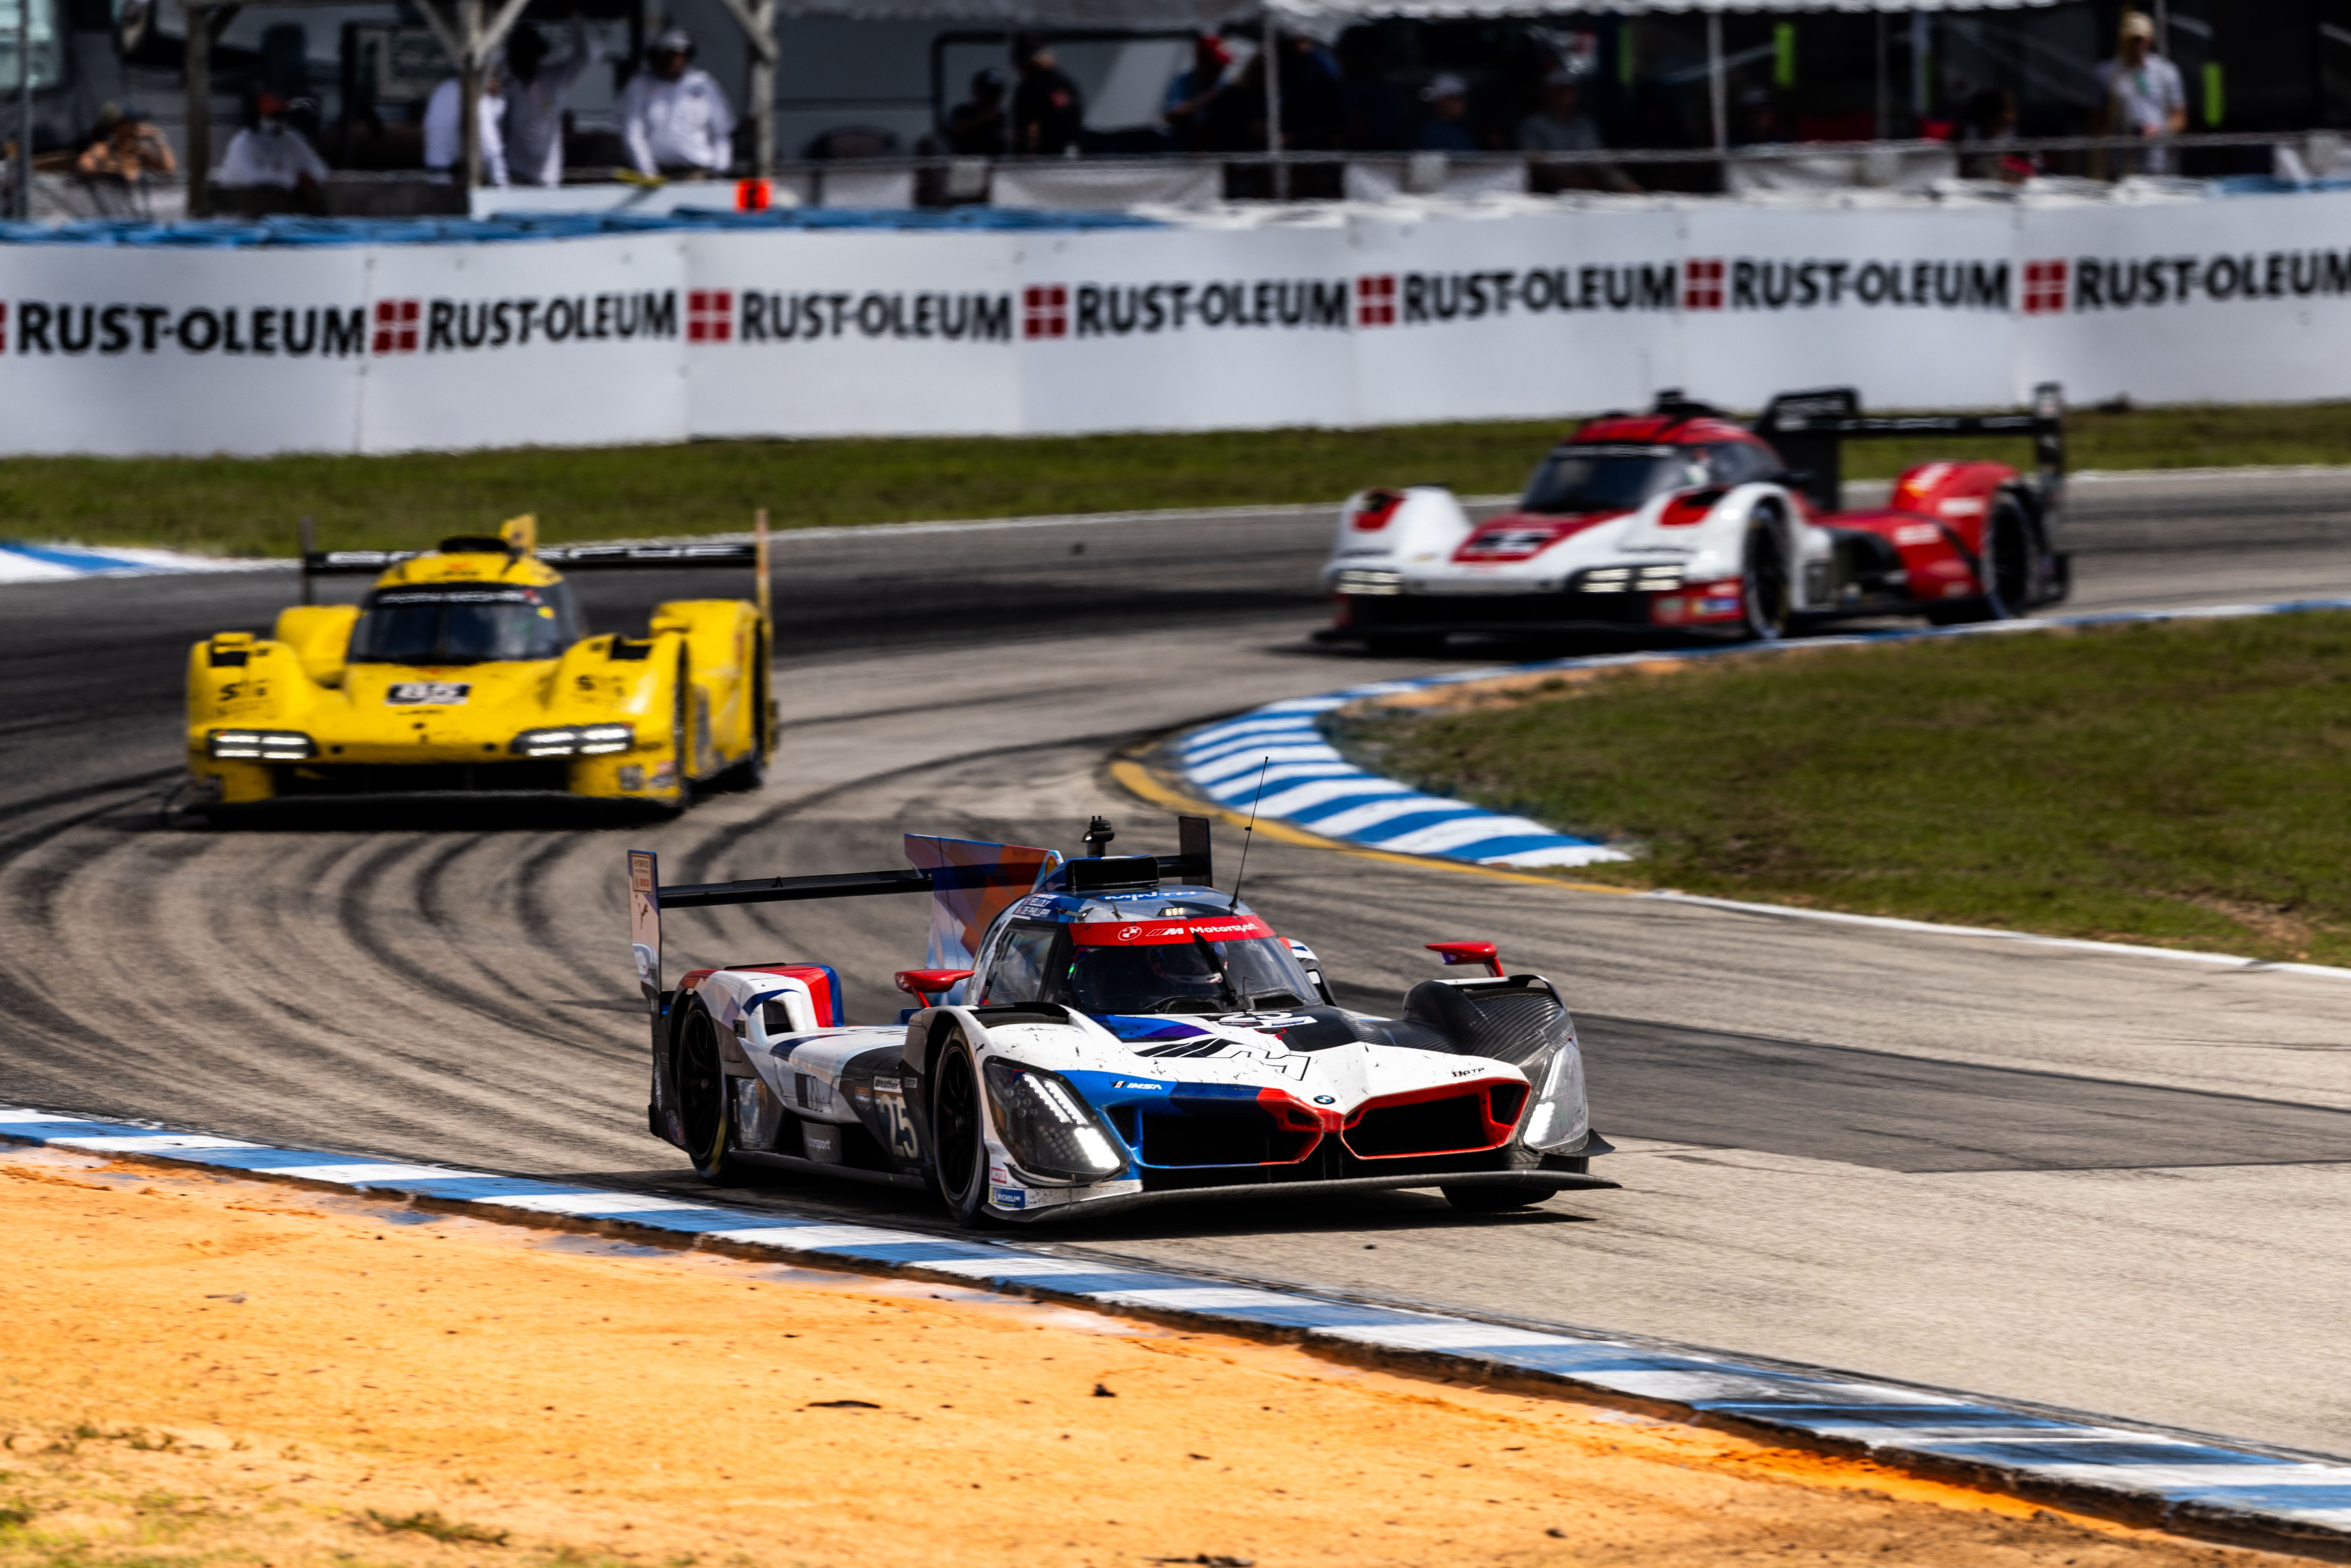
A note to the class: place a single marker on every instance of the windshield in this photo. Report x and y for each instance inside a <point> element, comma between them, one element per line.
<point>1181,975</point>
<point>1598,478</point>
<point>462,625</point>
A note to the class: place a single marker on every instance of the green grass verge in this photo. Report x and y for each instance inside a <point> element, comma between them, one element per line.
<point>249,505</point>
<point>2176,784</point>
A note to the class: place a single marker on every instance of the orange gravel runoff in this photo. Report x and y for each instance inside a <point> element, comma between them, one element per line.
<point>197,1370</point>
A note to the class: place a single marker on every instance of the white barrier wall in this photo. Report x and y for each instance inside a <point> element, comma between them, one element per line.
<point>1354,317</point>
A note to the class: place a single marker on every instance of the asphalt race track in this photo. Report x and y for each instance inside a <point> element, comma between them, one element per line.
<point>2111,1183</point>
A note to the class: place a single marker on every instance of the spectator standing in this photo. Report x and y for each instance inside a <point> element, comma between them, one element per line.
<point>1561,126</point>
<point>1990,116</point>
<point>1192,93</point>
<point>443,147</point>
<point>673,119</point>
<point>535,94</point>
<point>125,147</point>
<point>1445,126</point>
<point>271,153</point>
<point>2144,95</point>
<point>1049,114</point>
<point>1313,112</point>
<point>978,126</point>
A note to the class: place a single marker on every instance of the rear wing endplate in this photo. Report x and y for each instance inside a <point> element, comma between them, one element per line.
<point>1809,430</point>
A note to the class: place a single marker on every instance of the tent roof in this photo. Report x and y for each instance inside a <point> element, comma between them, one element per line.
<point>1213,12</point>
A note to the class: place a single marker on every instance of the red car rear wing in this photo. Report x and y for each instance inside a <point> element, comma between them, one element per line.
<point>1809,430</point>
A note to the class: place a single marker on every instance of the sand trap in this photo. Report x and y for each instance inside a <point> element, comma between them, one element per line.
<point>199,1369</point>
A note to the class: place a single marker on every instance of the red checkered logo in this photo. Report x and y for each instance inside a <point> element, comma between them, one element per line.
<point>396,325</point>
<point>1045,310</point>
<point>1375,301</point>
<point>2044,287</point>
<point>709,315</point>
<point>1702,283</point>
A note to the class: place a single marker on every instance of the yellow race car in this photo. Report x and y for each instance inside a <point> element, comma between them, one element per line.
<point>468,668</point>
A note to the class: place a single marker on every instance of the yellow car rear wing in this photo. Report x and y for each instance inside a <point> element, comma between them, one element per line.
<point>520,536</point>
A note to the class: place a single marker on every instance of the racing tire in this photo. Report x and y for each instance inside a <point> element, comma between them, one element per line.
<point>1405,646</point>
<point>2006,567</point>
<point>1495,1197</point>
<point>959,1134</point>
<point>1763,581</point>
<point>701,1078</point>
<point>680,737</point>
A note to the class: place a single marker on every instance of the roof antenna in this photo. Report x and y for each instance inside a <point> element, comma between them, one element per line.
<point>1234,906</point>
<point>1099,833</point>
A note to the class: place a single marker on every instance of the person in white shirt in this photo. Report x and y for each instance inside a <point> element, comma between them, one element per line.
<point>271,153</point>
<point>2144,95</point>
<point>674,117</point>
<point>442,148</point>
<point>535,94</point>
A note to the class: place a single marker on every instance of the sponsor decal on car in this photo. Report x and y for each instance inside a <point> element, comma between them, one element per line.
<point>1010,1196</point>
<point>438,693</point>
<point>1165,933</point>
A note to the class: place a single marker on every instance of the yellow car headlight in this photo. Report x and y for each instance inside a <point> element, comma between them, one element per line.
<point>259,745</point>
<point>574,740</point>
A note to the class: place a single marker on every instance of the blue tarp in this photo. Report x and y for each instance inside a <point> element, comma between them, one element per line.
<point>296,231</point>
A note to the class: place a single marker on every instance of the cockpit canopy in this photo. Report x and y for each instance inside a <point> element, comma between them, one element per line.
<point>1178,951</point>
<point>465,623</point>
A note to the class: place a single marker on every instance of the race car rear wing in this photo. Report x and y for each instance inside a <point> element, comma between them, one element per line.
<point>968,891</point>
<point>520,535</point>
<point>1809,430</point>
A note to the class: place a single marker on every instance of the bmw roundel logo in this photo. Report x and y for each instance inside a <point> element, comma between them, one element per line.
<point>1326,1100</point>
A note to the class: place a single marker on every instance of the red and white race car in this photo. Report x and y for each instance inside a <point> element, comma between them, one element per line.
<point>1683,520</point>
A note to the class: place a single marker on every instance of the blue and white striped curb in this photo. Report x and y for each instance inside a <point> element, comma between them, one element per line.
<point>66,563</point>
<point>2154,1478</point>
<point>1309,785</point>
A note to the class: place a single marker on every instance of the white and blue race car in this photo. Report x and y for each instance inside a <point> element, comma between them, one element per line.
<point>1103,1032</point>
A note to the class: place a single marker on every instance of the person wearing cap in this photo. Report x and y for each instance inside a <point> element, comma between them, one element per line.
<point>271,153</point>
<point>978,126</point>
<point>1561,126</point>
<point>1446,127</point>
<point>1049,114</point>
<point>1185,109</point>
<point>2144,95</point>
<point>535,94</point>
<point>674,119</point>
<point>443,150</point>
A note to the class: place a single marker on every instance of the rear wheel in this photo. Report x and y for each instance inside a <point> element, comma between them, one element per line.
<point>1763,581</point>
<point>1493,1197</point>
<point>701,1080</point>
<point>959,1138</point>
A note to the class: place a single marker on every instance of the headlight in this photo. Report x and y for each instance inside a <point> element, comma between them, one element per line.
<point>259,745</point>
<point>574,740</point>
<point>1364,583</point>
<point>1560,1120</point>
<point>1046,1127</point>
<point>1633,579</point>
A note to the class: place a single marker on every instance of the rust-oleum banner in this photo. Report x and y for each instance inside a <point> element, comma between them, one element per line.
<point>1349,316</point>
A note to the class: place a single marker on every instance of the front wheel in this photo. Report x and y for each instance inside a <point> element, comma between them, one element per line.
<point>958,1134</point>
<point>1494,1198</point>
<point>1764,583</point>
<point>2005,570</point>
